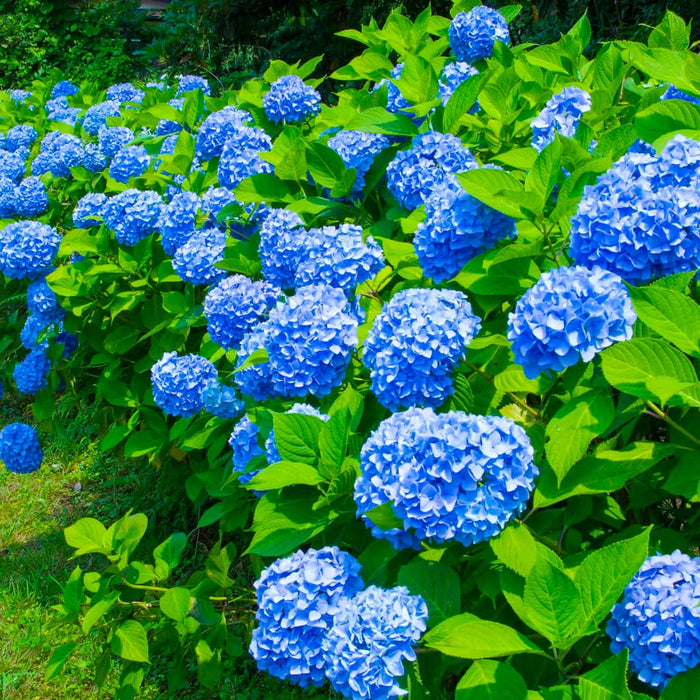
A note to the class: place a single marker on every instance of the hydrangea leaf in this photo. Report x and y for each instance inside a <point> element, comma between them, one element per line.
<point>297,437</point>
<point>461,101</point>
<point>607,681</point>
<point>175,603</point>
<point>88,535</point>
<point>663,117</point>
<point>516,548</point>
<point>491,680</point>
<point>130,641</point>
<point>376,120</point>
<point>438,585</point>
<point>672,33</point>
<point>167,554</point>
<point>684,477</point>
<point>282,474</point>
<point>683,687</point>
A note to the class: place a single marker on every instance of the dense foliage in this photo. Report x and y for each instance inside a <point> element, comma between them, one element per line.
<point>430,357</point>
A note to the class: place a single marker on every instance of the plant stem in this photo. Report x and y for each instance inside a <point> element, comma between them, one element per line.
<point>663,416</point>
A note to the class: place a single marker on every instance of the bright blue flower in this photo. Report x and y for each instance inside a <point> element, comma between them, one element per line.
<point>33,327</point>
<point>309,338</point>
<point>214,200</point>
<point>452,76</point>
<point>372,634</point>
<point>31,375</point>
<point>256,380</point>
<point>473,34</point>
<point>415,344</point>
<point>448,475</point>
<point>337,256</point>
<point>217,128</point>
<point>12,166</point>
<point>457,228</point>
<point>282,242</point>
<point>59,153</point>
<point>30,197</point>
<point>272,454</point>
<point>41,299</point>
<point>186,83</point>
<point>8,192</point>
<point>395,102</point>
<point>96,116</point>
<point>177,221</point>
<point>240,159</point>
<point>561,115</point>
<point>234,306</point>
<point>244,442</point>
<point>641,219</point>
<point>571,313</point>
<point>291,100</point>
<point>20,449</point>
<point>64,88</point>
<point>130,161</point>
<point>298,598</point>
<point>66,115</point>
<point>113,138</point>
<point>125,92</point>
<point>358,150</point>
<point>132,215</point>
<point>195,261</point>
<point>658,619</point>
<point>222,401</point>
<point>169,126</point>
<point>93,158</point>
<point>179,383</point>
<point>19,95</point>
<point>20,136</point>
<point>416,172</point>
<point>27,249</point>
<point>89,207</point>
<point>673,93</point>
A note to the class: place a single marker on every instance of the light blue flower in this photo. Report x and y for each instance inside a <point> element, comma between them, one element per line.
<point>561,115</point>
<point>27,249</point>
<point>282,244</point>
<point>187,83</point>
<point>31,375</point>
<point>291,100</point>
<point>88,208</point>
<point>130,161</point>
<point>132,215</point>
<point>177,221</point>
<point>473,34</point>
<point>222,401</point>
<point>239,156</point>
<point>195,261</point>
<point>452,76</point>
<point>179,383</point>
<point>358,150</point>
<point>31,198</point>
<point>20,136</point>
<point>96,116</point>
<point>113,138</point>
<point>217,128</point>
<point>125,92</point>
<point>20,449</point>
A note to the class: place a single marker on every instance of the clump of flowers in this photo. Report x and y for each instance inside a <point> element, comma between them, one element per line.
<point>222,401</point>
<point>571,314</point>
<point>88,208</point>
<point>244,443</point>
<point>41,299</point>
<point>239,156</point>
<point>561,115</point>
<point>415,344</point>
<point>217,128</point>
<point>93,159</point>
<point>20,136</point>
<point>290,99</point>
<point>30,197</point>
<point>187,83</point>
<point>358,150</point>
<point>452,76</point>
<point>125,92</point>
<point>658,620</point>
<point>130,161</point>
<point>448,475</point>
<point>63,88</point>
<point>673,93</point>
<point>20,449</point>
<point>132,215</point>
<point>177,221</point>
<point>27,249</point>
<point>195,261</point>
<point>113,138</point>
<point>96,116</point>
<point>59,153</point>
<point>179,383</point>
<point>282,241</point>
<point>12,166</point>
<point>473,34</point>
<point>32,373</point>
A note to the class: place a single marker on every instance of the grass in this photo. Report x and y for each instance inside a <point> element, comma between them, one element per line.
<point>75,481</point>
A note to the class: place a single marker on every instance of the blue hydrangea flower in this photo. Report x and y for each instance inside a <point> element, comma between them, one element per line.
<point>96,116</point>
<point>272,454</point>
<point>571,313</point>
<point>452,76</point>
<point>59,153</point>
<point>67,115</point>
<point>20,449</point>
<point>298,598</point>
<point>234,306</point>
<point>130,161</point>
<point>33,327</point>
<point>31,375</point>
<point>30,197</point>
<point>27,249</point>
<point>415,173</point>
<point>372,634</point>
<point>415,344</point>
<point>125,92</point>
<point>132,215</point>
<point>195,261</point>
<point>88,208</point>
<point>282,242</point>
<point>395,102</point>
<point>309,338</point>
<point>214,200</point>
<point>457,227</point>
<point>8,193</point>
<point>177,221</point>
<point>41,299</point>
<point>448,475</point>
<point>222,401</point>
<point>256,380</point>
<point>20,136</point>
<point>19,95</point>
<point>358,150</point>
<point>561,115</point>
<point>169,126</point>
<point>658,620</point>
<point>337,256</point>
<point>12,166</point>
<point>673,93</point>
<point>244,442</point>
<point>641,219</point>
<point>290,99</point>
<point>217,128</point>
<point>64,88</point>
<point>473,34</point>
<point>240,159</point>
<point>69,342</point>
<point>93,158</point>
<point>113,138</point>
<point>179,383</point>
<point>186,83</point>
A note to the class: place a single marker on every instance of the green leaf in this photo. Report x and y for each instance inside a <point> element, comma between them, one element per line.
<point>130,641</point>
<point>282,474</point>
<point>351,401</point>
<point>384,517</point>
<point>607,681</point>
<point>88,535</point>
<point>491,680</point>
<point>59,656</point>
<point>297,437</point>
<point>376,120</point>
<point>516,548</point>
<point>684,477</point>
<point>462,100</point>
<point>437,583</point>
<point>684,686</point>
<point>257,357</point>
<point>209,666</point>
<point>573,427</point>
<point>219,562</point>
<point>126,533</point>
<point>418,82</point>
<point>333,443</point>
<point>263,187</point>
<point>501,191</point>
<point>142,443</point>
<point>97,611</point>
<point>325,165</point>
<point>546,170</point>
<point>175,603</point>
<point>671,33</point>
<point>167,555</point>
<point>664,117</point>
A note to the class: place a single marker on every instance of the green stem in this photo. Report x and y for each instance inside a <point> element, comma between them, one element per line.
<point>663,416</point>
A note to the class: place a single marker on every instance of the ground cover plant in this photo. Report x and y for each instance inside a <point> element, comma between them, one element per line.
<point>422,357</point>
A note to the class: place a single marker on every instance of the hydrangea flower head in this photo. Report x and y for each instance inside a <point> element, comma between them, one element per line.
<point>222,401</point>
<point>195,261</point>
<point>8,193</point>
<point>239,156</point>
<point>571,313</point>
<point>298,598</point>
<point>416,172</point>
<point>31,198</point>
<point>457,228</point>
<point>177,221</point>
<point>12,166</point>
<point>244,443</point>
<point>132,215</point>
<point>20,136</point>
<point>130,161</point>
<point>179,383</point>
<point>27,249</point>
<point>125,92</point>
<point>217,128</point>
<point>673,93</point>
<point>448,475</point>
<point>19,95</point>
<point>33,326</point>
<point>415,344</point>
<point>186,83</point>
<point>561,115</point>
<point>234,306</point>
<point>473,34</point>
<point>64,88</point>
<point>32,373</point>
<point>59,153</point>
<point>255,381</point>
<point>358,150</point>
<point>658,620</point>
<point>113,138</point>
<point>282,243</point>
<point>214,200</point>
<point>93,158</point>
<point>373,633</point>
<point>89,207</point>
<point>20,449</point>
<point>41,299</point>
<point>452,76</point>
<point>290,99</point>
<point>96,116</point>
<point>170,126</point>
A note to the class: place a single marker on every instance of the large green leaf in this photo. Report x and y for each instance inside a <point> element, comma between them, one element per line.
<point>684,686</point>
<point>516,548</point>
<point>437,583</point>
<point>282,474</point>
<point>377,120</point>
<point>88,535</point>
<point>130,641</point>
<point>607,681</point>
<point>175,603</point>
<point>491,680</point>
<point>664,117</point>
<point>297,437</point>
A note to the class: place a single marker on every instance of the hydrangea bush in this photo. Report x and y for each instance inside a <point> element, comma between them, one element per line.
<point>424,356</point>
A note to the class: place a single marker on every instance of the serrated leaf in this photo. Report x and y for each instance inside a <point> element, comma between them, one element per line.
<point>297,437</point>
<point>491,680</point>
<point>437,583</point>
<point>516,548</point>
<point>607,681</point>
<point>376,120</point>
<point>672,33</point>
<point>684,477</point>
<point>462,100</point>
<point>664,117</point>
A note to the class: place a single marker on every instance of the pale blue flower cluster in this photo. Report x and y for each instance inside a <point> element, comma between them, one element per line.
<point>27,249</point>
<point>217,128</point>
<point>473,34</point>
<point>20,450</point>
<point>416,172</point>
<point>12,166</point>
<point>59,153</point>
<point>59,110</point>
<point>18,96</point>
<point>29,335</point>
<point>186,83</point>
<point>31,198</point>
<point>93,158</point>
<point>395,101</point>
<point>452,76</point>
<point>177,221</point>
<point>113,138</point>
<point>255,381</point>
<point>358,150</point>
<point>31,375</point>
<point>179,383</point>
<point>132,215</point>
<point>298,597</point>
<point>125,92</point>
<point>234,306</point>
<point>658,620</point>
<point>448,475</point>
<point>88,208</point>
<point>457,227</point>
<point>7,197</point>
<point>170,126</point>
<point>96,116</point>
<point>641,219</point>
<point>214,200</point>
<point>415,344</point>
<point>195,261</point>
<point>64,88</point>
<point>571,313</point>
<point>282,241</point>
<point>20,136</point>
<point>130,161</point>
<point>222,401</point>
<point>291,100</point>
<point>244,443</point>
<point>673,93</point>
<point>239,157</point>
<point>561,115</point>
<point>41,299</point>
